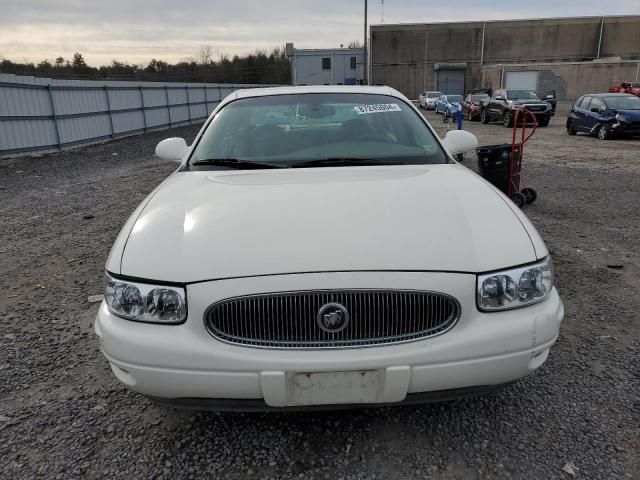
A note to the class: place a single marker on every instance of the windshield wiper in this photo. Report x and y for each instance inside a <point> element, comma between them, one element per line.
<point>235,163</point>
<point>341,162</point>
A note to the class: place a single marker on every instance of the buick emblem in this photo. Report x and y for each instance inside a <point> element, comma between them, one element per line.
<point>332,317</point>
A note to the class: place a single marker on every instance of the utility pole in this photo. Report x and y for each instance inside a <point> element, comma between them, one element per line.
<point>366,69</point>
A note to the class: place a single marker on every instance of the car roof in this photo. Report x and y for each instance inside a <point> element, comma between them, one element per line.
<point>266,91</point>
<point>600,95</point>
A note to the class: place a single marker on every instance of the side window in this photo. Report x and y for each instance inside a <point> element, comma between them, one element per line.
<point>498,93</point>
<point>326,63</point>
<point>584,103</point>
<point>352,63</point>
<point>596,103</point>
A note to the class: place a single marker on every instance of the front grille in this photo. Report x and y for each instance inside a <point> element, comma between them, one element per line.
<point>290,319</point>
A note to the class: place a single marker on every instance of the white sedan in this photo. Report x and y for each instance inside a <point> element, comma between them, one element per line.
<point>317,247</point>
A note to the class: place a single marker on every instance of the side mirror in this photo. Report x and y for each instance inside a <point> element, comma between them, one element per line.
<point>172,149</point>
<point>459,141</point>
<point>499,97</point>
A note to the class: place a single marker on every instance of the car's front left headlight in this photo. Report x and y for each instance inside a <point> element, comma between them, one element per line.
<point>143,302</point>
<point>620,117</point>
<point>516,287</point>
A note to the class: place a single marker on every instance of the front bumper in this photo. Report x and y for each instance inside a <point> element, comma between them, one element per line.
<point>186,362</point>
<point>626,128</point>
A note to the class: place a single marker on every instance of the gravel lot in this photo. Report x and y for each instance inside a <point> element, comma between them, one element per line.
<point>63,415</point>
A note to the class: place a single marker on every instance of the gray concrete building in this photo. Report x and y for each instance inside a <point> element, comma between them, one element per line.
<point>572,56</point>
<point>332,66</point>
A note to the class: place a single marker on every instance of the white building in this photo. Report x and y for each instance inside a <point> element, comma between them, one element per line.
<point>334,66</point>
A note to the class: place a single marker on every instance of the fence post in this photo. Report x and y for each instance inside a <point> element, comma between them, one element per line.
<point>106,92</point>
<point>144,115</point>
<point>166,94</point>
<point>186,88</point>
<point>55,117</point>
<point>206,102</point>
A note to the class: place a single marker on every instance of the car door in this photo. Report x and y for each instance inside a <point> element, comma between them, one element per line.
<point>592,115</point>
<point>579,113</point>
<point>495,106</point>
<point>465,106</point>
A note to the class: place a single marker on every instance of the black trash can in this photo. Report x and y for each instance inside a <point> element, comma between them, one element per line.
<point>493,165</point>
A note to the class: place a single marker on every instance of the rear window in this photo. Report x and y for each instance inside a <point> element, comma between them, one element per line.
<point>284,129</point>
<point>434,94</point>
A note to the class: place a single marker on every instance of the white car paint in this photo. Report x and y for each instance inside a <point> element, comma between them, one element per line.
<point>230,233</point>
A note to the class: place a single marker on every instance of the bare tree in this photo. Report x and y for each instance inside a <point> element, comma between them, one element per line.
<point>354,44</point>
<point>205,55</point>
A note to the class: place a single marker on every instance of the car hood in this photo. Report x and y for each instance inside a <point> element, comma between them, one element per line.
<point>631,115</point>
<point>530,102</point>
<point>221,224</point>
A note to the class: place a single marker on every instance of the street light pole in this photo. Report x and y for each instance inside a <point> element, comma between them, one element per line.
<point>366,69</point>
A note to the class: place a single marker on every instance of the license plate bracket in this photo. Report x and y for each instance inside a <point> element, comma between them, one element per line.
<point>326,388</point>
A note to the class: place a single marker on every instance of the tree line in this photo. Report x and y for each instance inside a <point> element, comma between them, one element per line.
<point>260,67</point>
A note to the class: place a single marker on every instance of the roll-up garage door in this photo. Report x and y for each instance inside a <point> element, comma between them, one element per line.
<point>522,80</point>
<point>451,82</point>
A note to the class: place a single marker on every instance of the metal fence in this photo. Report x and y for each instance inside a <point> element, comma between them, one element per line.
<point>40,115</point>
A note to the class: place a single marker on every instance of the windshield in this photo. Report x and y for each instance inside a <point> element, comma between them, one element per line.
<point>434,94</point>
<point>623,103</point>
<point>476,98</point>
<point>635,84</point>
<point>522,95</point>
<point>283,130</point>
<point>454,98</point>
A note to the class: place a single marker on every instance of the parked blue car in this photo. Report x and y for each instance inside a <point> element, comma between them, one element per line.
<point>448,104</point>
<point>605,115</point>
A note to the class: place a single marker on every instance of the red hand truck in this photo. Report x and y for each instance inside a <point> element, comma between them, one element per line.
<point>514,192</point>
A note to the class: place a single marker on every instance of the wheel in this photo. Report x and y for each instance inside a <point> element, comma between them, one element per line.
<point>543,123</point>
<point>530,194</point>
<point>571,130</point>
<point>603,132</point>
<point>519,199</point>
<point>507,119</point>
<point>484,117</point>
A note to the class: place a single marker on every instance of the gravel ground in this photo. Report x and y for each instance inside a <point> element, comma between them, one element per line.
<point>63,415</point>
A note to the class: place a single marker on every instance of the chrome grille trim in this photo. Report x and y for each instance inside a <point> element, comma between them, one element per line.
<point>287,320</point>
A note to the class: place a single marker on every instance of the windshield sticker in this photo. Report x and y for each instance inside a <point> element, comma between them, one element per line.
<point>383,107</point>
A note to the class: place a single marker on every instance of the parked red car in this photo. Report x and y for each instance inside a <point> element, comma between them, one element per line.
<point>471,105</point>
<point>627,87</point>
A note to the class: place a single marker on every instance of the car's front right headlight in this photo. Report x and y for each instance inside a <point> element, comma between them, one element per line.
<point>143,302</point>
<point>516,287</point>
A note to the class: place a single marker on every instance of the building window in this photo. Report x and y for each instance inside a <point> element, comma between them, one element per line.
<point>326,64</point>
<point>353,63</point>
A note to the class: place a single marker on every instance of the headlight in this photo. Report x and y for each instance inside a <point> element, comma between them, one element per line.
<point>517,287</point>
<point>145,303</point>
<point>620,117</point>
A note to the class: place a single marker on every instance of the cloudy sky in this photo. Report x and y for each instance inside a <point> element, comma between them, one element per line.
<point>138,30</point>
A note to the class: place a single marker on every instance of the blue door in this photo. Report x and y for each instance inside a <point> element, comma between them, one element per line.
<point>592,115</point>
<point>580,110</point>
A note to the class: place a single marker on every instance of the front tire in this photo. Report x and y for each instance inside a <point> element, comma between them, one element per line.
<point>507,119</point>
<point>571,130</point>
<point>543,123</point>
<point>604,132</point>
